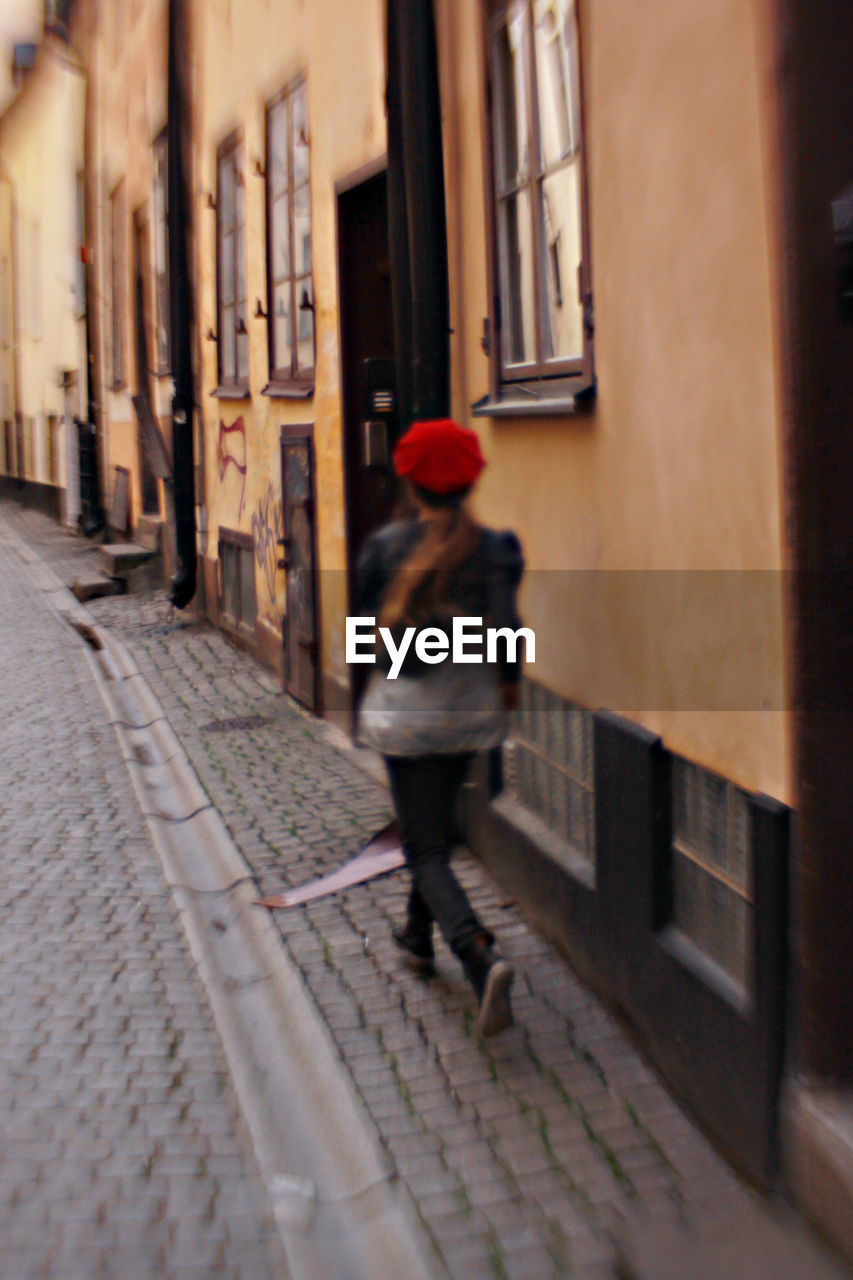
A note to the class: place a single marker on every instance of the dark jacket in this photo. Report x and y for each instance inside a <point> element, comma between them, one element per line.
<point>483,586</point>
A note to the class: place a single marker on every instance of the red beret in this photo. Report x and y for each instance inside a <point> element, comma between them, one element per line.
<point>439,456</point>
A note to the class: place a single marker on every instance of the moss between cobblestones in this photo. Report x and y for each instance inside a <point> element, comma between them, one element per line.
<point>402,1087</point>
<point>653,1145</point>
<point>465,1204</point>
<point>596,1138</point>
<point>609,1155</point>
<point>496,1256</point>
<point>558,1250</point>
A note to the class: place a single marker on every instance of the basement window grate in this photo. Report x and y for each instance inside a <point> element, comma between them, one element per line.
<point>712,889</point>
<point>548,766</point>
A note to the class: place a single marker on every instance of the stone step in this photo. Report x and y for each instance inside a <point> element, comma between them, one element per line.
<point>120,557</point>
<point>149,532</point>
<point>93,586</point>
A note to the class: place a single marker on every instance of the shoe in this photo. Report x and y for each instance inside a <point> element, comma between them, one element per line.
<point>495,1012</point>
<point>415,942</point>
<point>491,978</point>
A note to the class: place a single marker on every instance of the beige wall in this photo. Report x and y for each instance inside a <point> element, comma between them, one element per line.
<point>126,52</point>
<point>41,136</point>
<point>247,54</point>
<point>677,465</point>
<point>641,518</point>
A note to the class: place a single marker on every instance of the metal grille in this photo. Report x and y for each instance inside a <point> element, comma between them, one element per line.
<point>549,765</point>
<point>712,893</point>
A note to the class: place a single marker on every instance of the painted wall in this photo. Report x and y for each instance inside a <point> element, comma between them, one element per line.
<point>41,138</point>
<point>247,54</point>
<point>651,525</point>
<point>126,50</point>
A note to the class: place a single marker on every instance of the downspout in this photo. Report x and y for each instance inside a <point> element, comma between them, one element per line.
<point>94,517</point>
<point>178,136</point>
<point>416,214</point>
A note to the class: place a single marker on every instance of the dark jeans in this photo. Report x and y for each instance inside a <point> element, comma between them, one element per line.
<point>425,790</point>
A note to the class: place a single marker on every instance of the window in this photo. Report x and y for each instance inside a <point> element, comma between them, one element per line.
<point>29,469</point>
<point>233,336</point>
<point>712,895</point>
<point>56,13</point>
<point>52,451</point>
<point>548,772</point>
<point>237,604</point>
<point>543,323</point>
<point>289,288</point>
<point>161,258</point>
<point>117,280</point>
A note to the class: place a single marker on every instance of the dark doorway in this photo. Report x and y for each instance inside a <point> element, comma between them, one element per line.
<point>367,361</point>
<point>148,479</point>
<point>301,638</point>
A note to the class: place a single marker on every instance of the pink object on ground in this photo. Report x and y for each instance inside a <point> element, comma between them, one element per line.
<point>381,854</point>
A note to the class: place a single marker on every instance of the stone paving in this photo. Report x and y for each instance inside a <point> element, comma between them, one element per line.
<point>123,1153</point>
<point>525,1154</point>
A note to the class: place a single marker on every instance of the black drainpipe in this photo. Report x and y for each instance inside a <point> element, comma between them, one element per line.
<point>178,133</point>
<point>416,214</point>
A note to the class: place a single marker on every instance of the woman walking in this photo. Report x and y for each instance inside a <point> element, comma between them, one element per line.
<point>428,721</point>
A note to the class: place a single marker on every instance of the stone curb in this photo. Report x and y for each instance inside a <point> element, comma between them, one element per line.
<point>340,1212</point>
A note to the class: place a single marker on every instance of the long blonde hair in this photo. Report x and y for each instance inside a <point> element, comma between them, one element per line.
<point>419,583</point>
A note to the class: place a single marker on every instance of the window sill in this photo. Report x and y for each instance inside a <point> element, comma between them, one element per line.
<point>533,827</point>
<point>287,391</point>
<point>712,974</point>
<point>528,400</point>
<point>231,393</point>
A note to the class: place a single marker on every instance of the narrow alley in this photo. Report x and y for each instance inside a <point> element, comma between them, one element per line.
<point>550,1151</point>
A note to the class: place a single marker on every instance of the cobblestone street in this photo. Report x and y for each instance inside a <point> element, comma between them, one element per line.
<point>123,1152</point>
<point>527,1156</point>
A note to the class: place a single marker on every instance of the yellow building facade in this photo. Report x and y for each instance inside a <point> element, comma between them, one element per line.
<point>557,220</point>
<point>289,105</point>
<point>42,299</point>
<point>650,515</point>
<point>124,46</point>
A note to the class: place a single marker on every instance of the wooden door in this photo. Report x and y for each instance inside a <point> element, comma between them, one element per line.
<point>367,360</point>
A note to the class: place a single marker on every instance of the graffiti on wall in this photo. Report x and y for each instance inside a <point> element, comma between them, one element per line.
<point>267,529</point>
<point>231,452</point>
